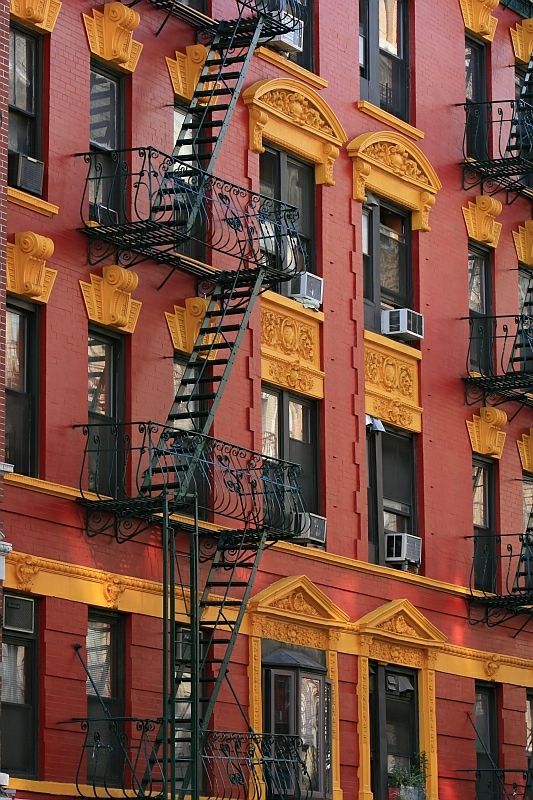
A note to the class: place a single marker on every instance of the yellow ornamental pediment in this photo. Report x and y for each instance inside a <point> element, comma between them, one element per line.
<point>297,598</point>
<point>400,620</point>
<point>108,299</point>
<point>39,14</point>
<point>393,167</point>
<point>110,35</point>
<point>294,116</point>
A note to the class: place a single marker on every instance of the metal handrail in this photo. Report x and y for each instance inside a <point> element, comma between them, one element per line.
<point>499,130</point>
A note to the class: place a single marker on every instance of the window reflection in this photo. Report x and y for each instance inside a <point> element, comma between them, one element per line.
<point>15,351</point>
<point>309,721</point>
<point>476,283</point>
<point>479,501</point>
<point>14,664</point>
<point>99,377</point>
<point>270,415</point>
<point>299,422</point>
<point>99,657</point>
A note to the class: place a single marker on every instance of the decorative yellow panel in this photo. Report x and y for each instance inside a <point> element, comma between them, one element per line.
<point>185,323</point>
<point>110,35</point>
<point>39,14</point>
<point>523,40</point>
<point>391,165</point>
<point>185,70</point>
<point>523,242</point>
<point>485,434</point>
<point>108,299</point>
<point>290,345</point>
<point>292,115</point>
<point>27,273</point>
<point>478,17</point>
<point>480,220</point>
<point>525,448</point>
<point>391,382</point>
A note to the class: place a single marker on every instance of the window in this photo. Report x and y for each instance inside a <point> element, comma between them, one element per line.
<point>387,271</point>
<point>393,722</point>
<point>391,489</point>
<point>476,92</point>
<point>105,649</point>
<point>106,135</point>
<point>527,501</point>
<point>290,432</point>
<point>18,722</point>
<point>479,306</point>
<point>21,387</point>
<point>291,181</point>
<point>529,729</point>
<point>524,294</point>
<point>486,743</point>
<point>194,248</point>
<point>384,55</point>
<point>24,93</point>
<point>306,58</point>
<point>519,78</point>
<point>484,532</point>
<point>297,702</point>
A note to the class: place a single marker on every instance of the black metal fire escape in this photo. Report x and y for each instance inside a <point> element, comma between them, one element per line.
<point>142,204</point>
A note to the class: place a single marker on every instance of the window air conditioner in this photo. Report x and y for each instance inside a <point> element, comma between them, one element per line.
<point>403,323</point>
<point>18,613</point>
<point>307,289</point>
<point>293,41</point>
<point>25,173</point>
<point>310,528</point>
<point>402,548</point>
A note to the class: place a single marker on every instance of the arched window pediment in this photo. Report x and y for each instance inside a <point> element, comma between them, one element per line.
<point>293,116</point>
<point>395,168</point>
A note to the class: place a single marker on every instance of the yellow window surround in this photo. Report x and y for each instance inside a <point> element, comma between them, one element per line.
<point>391,382</point>
<point>276,59</point>
<point>395,168</point>
<point>291,345</point>
<point>20,198</point>
<point>110,35</point>
<point>292,115</point>
<point>27,274</point>
<point>38,14</point>
<point>389,119</point>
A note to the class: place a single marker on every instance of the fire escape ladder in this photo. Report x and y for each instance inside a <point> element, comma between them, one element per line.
<point>522,353</point>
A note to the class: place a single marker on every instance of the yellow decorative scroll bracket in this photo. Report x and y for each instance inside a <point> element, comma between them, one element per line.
<point>110,35</point>
<point>185,323</point>
<point>108,299</point>
<point>523,242</point>
<point>485,434</point>
<point>478,18</point>
<point>480,220</point>
<point>27,273</point>
<point>40,14</point>
<point>523,40</point>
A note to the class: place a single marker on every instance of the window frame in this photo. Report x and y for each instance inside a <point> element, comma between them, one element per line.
<point>487,756</point>
<point>36,145</point>
<point>485,582</point>
<point>375,493</point>
<point>118,373</point>
<point>306,59</point>
<point>31,313</point>
<point>481,357</point>
<point>372,261</point>
<point>29,640</point>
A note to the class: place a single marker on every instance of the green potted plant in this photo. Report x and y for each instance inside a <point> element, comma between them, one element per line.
<point>409,782</point>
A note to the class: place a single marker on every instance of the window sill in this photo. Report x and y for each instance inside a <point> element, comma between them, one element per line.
<point>389,119</point>
<point>266,54</point>
<point>20,198</point>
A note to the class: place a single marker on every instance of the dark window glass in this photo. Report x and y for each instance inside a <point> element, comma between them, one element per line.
<point>199,5</point>
<point>21,388</point>
<point>290,432</point>
<point>484,533</point>
<point>524,293</point>
<point>106,135</point>
<point>519,77</point>
<point>306,58</point>
<point>391,489</point>
<point>479,305</point>
<point>486,743</point>
<point>18,722</point>
<point>529,728</point>
<point>476,92</point>
<point>24,93</point>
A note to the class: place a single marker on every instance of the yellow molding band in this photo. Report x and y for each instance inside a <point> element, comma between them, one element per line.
<point>293,305</point>
<point>26,200</point>
<point>70,789</point>
<point>391,344</point>
<point>389,119</point>
<point>265,54</point>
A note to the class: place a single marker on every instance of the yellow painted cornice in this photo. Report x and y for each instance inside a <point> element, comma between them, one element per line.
<point>277,60</point>
<point>392,166</point>
<point>185,69</point>
<point>484,430</point>
<point>38,14</point>
<point>522,39</point>
<point>294,116</point>
<point>478,18</point>
<point>108,299</point>
<point>523,242</point>
<point>110,35</point>
<point>480,220</point>
<point>389,119</point>
<point>19,198</point>
<point>27,274</point>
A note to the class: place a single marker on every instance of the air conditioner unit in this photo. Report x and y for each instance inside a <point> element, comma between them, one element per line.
<point>293,41</point>
<point>403,323</point>
<point>18,613</point>
<point>25,173</point>
<point>403,548</point>
<point>307,289</point>
<point>310,528</point>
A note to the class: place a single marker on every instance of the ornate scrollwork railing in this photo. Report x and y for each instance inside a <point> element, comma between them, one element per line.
<point>281,16</point>
<point>501,575</point>
<point>502,784</point>
<point>145,202</point>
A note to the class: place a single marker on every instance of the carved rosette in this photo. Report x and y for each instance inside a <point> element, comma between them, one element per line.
<point>108,299</point>
<point>480,220</point>
<point>291,114</point>
<point>110,35</point>
<point>485,434</point>
<point>39,14</point>
<point>478,17</point>
<point>391,382</point>
<point>290,346</point>
<point>27,273</point>
<point>523,242</point>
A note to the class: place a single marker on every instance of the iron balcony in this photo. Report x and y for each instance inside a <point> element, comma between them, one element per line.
<point>502,784</point>
<point>279,16</point>
<point>498,146</point>
<point>141,204</point>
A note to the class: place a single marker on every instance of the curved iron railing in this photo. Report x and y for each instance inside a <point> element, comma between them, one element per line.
<point>148,202</point>
<point>281,16</point>
<point>502,570</point>
<point>120,755</point>
<point>130,467</point>
<point>502,784</point>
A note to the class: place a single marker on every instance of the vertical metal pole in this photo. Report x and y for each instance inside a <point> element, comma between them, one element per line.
<point>195,652</point>
<point>165,642</point>
<point>173,643</point>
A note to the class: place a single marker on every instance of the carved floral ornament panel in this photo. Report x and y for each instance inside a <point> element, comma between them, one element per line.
<point>393,167</point>
<point>391,382</point>
<point>294,116</point>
